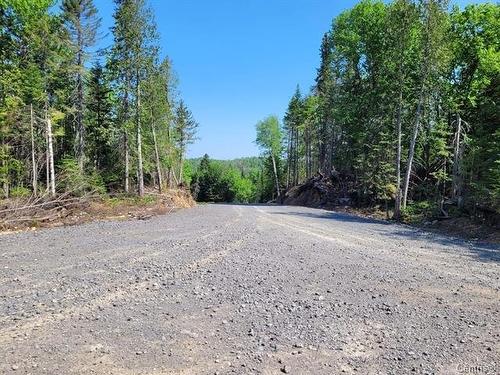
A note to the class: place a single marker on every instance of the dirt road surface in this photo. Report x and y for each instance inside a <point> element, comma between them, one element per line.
<point>223,289</point>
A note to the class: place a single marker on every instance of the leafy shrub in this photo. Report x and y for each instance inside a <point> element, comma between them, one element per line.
<point>418,211</point>
<point>72,179</point>
<point>20,192</point>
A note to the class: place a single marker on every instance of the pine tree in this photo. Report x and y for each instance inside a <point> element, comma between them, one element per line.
<point>99,115</point>
<point>323,90</point>
<point>134,50</point>
<point>82,22</point>
<point>185,133</point>
<point>293,122</point>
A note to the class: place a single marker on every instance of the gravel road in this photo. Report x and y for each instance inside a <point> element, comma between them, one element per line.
<point>248,290</point>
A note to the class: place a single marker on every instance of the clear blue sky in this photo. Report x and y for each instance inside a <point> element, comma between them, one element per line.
<point>239,60</point>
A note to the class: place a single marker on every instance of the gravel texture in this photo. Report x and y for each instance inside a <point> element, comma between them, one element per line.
<point>248,290</point>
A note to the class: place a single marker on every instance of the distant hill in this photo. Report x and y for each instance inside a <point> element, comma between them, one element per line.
<point>245,165</point>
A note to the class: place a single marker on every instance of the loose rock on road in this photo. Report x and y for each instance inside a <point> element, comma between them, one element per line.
<point>247,290</point>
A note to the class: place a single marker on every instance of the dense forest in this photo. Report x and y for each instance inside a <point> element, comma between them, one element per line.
<point>405,109</point>
<point>74,118</point>
<point>239,180</point>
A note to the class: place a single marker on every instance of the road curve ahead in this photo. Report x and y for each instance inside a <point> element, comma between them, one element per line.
<point>247,290</point>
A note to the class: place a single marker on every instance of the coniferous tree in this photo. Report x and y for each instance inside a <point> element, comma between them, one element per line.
<point>135,50</point>
<point>323,90</point>
<point>293,122</point>
<point>82,22</point>
<point>185,133</point>
<point>101,133</point>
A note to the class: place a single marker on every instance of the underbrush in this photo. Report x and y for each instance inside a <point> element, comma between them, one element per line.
<point>418,212</point>
<point>30,212</point>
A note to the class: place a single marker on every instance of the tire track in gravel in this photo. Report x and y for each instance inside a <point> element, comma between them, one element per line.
<point>127,292</point>
<point>438,261</point>
<point>121,294</point>
<point>255,289</point>
<point>116,253</point>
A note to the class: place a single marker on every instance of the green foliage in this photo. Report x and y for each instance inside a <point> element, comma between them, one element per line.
<point>382,64</point>
<point>130,200</point>
<point>20,192</point>
<point>414,66</point>
<point>96,114</point>
<point>74,180</point>
<point>415,212</point>
<point>185,127</point>
<point>222,181</point>
<point>188,172</point>
<point>27,9</point>
<point>269,136</point>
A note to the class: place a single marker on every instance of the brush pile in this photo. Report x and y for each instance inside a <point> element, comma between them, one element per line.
<point>31,212</point>
<point>321,191</point>
<point>34,211</point>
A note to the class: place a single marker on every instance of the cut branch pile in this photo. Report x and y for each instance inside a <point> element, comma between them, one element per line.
<point>66,209</point>
<point>320,191</point>
<point>35,211</point>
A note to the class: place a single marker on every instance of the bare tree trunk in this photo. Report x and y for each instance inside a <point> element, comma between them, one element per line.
<point>34,177</point>
<point>47,164</point>
<point>181,170</point>
<point>322,147</point>
<point>126,116</point>
<point>397,203</point>
<point>330,150</point>
<point>306,154</point>
<point>457,175</point>
<point>289,160</point>
<point>80,136</point>
<point>276,176</point>
<point>411,153</point>
<point>140,171</point>
<point>296,158</point>
<point>169,155</point>
<point>310,155</point>
<point>6,189</point>
<point>127,162</point>
<point>169,177</point>
<point>182,150</point>
<point>50,152</point>
<point>157,155</point>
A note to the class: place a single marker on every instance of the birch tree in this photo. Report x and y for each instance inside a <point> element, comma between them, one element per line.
<point>269,139</point>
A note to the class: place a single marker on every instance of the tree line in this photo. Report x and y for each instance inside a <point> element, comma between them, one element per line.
<point>240,180</point>
<point>110,119</point>
<point>404,107</point>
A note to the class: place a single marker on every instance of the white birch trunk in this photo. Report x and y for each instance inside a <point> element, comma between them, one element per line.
<point>34,177</point>
<point>276,176</point>
<point>50,152</point>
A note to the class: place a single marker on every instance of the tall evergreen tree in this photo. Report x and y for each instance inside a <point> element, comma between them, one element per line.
<point>323,90</point>
<point>293,121</point>
<point>83,23</point>
<point>185,133</point>
<point>99,114</point>
<point>135,49</point>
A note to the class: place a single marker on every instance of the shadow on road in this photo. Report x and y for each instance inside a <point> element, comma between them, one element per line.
<point>339,216</point>
<point>485,252</point>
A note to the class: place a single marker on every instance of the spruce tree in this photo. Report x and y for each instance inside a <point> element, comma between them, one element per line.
<point>185,133</point>
<point>83,23</point>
